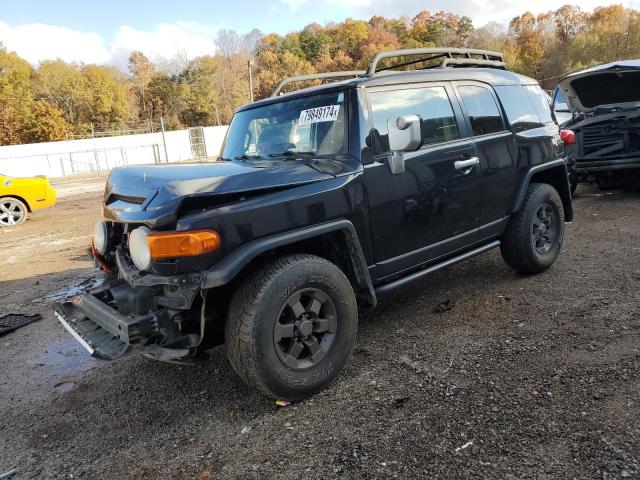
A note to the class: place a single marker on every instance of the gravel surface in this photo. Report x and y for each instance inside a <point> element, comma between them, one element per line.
<point>523,377</point>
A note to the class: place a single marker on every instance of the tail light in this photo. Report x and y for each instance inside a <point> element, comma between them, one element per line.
<point>568,137</point>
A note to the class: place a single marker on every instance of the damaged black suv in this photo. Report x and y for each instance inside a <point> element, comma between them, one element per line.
<point>324,199</point>
<point>601,112</point>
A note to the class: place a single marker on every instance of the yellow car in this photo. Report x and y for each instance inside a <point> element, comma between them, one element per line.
<point>21,196</point>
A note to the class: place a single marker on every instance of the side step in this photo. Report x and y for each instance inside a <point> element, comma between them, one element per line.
<point>400,282</point>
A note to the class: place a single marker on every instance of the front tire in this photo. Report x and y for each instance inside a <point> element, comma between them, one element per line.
<point>291,326</point>
<point>534,236</point>
<point>12,212</point>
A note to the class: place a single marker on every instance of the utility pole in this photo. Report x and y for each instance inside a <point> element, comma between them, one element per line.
<point>164,141</point>
<point>250,65</point>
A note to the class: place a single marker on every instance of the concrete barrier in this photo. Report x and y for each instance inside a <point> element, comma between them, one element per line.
<point>92,155</point>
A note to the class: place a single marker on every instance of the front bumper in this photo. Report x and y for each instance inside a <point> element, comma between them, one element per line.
<point>103,331</point>
<point>154,315</point>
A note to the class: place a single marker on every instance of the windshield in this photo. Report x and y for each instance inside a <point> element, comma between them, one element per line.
<point>309,125</point>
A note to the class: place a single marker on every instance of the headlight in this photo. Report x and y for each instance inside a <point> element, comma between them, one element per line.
<point>139,248</point>
<point>100,238</point>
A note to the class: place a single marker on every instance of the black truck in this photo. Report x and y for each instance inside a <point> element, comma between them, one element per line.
<point>601,109</point>
<point>322,200</point>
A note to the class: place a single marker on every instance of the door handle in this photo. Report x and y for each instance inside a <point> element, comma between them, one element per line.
<point>466,165</point>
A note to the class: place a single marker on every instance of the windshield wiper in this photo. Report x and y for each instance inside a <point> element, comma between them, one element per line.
<point>248,157</point>
<point>290,154</point>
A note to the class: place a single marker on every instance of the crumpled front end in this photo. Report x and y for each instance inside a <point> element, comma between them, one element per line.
<point>160,316</point>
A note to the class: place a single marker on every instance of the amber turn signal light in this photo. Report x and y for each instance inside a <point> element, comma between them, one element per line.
<point>182,244</point>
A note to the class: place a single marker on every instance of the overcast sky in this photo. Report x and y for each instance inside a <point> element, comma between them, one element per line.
<point>106,32</point>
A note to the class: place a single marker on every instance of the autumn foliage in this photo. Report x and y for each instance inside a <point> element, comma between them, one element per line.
<point>59,100</point>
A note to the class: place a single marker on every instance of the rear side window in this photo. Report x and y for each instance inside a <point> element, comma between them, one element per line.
<point>540,102</point>
<point>520,110</point>
<point>482,110</point>
<point>430,103</point>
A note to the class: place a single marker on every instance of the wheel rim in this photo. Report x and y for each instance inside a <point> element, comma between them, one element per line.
<point>11,212</point>
<point>305,329</point>
<point>544,228</point>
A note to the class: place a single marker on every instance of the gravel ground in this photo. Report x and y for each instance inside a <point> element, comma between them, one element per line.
<point>525,377</point>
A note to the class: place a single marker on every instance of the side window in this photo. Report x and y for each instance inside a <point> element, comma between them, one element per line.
<point>559,103</point>
<point>482,110</point>
<point>540,102</point>
<point>521,112</point>
<point>430,103</point>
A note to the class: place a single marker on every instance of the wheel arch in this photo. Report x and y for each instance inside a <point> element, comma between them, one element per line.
<point>18,197</point>
<point>553,173</point>
<point>335,241</point>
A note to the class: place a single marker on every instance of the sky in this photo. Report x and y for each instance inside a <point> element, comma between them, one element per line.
<point>106,32</point>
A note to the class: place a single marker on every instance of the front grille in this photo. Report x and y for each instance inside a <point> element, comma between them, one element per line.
<point>602,141</point>
<point>114,197</point>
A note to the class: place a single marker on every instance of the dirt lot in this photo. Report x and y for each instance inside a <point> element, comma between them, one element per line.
<point>525,377</point>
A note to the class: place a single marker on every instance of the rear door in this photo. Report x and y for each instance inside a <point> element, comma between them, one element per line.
<point>433,207</point>
<point>495,147</point>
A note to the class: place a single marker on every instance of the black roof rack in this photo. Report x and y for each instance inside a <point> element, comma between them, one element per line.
<point>314,76</point>
<point>461,57</point>
<point>449,57</point>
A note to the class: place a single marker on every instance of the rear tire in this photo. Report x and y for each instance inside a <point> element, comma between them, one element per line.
<point>291,326</point>
<point>12,212</point>
<point>534,236</point>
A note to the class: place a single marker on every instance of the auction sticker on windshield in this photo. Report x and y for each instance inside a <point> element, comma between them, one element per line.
<point>319,114</point>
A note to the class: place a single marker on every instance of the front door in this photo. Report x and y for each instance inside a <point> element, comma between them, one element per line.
<point>433,207</point>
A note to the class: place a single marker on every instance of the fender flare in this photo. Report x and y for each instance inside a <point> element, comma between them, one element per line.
<point>564,189</point>
<point>225,271</point>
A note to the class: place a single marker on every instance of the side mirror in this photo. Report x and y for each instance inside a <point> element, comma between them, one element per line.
<point>405,135</point>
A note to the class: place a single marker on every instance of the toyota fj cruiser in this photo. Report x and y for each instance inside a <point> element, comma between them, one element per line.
<point>324,199</point>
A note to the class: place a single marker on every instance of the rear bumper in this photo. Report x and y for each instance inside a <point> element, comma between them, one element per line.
<point>591,166</point>
<point>49,199</point>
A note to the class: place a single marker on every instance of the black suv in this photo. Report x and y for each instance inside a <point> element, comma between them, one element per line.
<point>324,199</point>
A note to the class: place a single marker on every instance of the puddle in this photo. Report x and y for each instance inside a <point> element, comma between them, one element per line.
<point>64,358</point>
<point>94,280</point>
<point>64,387</point>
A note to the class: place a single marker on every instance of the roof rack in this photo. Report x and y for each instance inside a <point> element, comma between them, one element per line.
<point>461,57</point>
<point>314,76</point>
<point>450,57</point>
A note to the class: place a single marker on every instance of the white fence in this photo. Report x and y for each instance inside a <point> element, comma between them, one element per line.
<point>59,159</point>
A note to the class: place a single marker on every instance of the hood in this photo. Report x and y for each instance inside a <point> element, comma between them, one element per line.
<point>602,88</point>
<point>152,194</point>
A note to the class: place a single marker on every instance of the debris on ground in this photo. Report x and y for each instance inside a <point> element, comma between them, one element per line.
<point>9,474</point>
<point>282,403</point>
<point>466,445</point>
<point>400,402</point>
<point>13,321</point>
<point>444,306</point>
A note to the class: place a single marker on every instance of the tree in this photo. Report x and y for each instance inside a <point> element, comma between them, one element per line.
<point>526,37</point>
<point>106,97</point>
<point>141,70</point>
<point>63,85</point>
<point>46,124</point>
<point>16,97</point>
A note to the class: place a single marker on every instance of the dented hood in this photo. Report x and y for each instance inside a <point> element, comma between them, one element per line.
<point>152,194</point>
<point>601,88</point>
